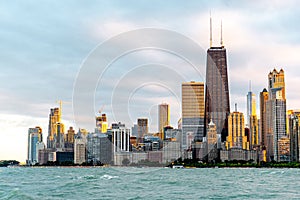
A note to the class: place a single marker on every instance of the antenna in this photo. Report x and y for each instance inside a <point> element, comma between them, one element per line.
<point>235,107</point>
<point>250,86</point>
<point>210,20</point>
<point>222,45</point>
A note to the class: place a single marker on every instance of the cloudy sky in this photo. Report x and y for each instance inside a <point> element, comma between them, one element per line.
<point>45,45</point>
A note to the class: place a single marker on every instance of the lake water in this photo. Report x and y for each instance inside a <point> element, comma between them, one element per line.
<point>149,183</point>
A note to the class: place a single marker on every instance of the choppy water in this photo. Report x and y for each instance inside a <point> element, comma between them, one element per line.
<point>148,183</point>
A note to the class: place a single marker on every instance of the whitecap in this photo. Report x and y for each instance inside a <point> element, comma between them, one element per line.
<point>108,177</point>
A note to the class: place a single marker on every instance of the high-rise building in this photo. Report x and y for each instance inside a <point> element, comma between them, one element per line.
<point>101,123</point>
<point>252,121</point>
<point>276,115</point>
<point>211,136</point>
<point>294,126</point>
<point>99,148</point>
<point>263,96</point>
<point>54,127</point>
<point>192,111</point>
<point>59,142</point>
<point>69,138</point>
<point>134,130</point>
<point>217,105</point>
<point>163,118</point>
<point>35,136</point>
<point>121,138</point>
<point>254,135</point>
<point>251,105</point>
<point>142,124</point>
<point>80,149</point>
<point>236,132</point>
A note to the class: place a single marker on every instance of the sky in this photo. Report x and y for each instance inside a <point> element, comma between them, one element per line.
<point>46,44</point>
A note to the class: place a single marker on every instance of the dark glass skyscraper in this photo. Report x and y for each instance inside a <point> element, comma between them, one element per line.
<point>217,106</point>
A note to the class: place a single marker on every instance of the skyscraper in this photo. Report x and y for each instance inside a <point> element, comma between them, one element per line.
<point>254,135</point>
<point>294,126</point>
<point>192,111</point>
<point>55,126</point>
<point>217,106</point>
<point>251,105</point>
<point>163,118</point>
<point>99,148</point>
<point>263,96</point>
<point>252,120</point>
<point>142,128</point>
<point>236,132</point>
<point>80,142</point>
<point>69,138</point>
<point>276,115</point>
<point>101,123</point>
<point>35,137</point>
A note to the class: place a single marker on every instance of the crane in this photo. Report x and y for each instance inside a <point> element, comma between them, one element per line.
<point>60,102</point>
<point>101,109</point>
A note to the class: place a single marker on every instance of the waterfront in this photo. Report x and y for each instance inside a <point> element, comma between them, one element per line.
<point>148,183</point>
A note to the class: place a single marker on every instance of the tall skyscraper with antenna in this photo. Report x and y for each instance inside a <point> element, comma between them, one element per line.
<point>252,121</point>
<point>217,106</point>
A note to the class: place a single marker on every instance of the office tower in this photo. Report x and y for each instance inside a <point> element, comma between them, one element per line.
<point>276,115</point>
<point>80,149</point>
<point>35,136</point>
<point>192,111</point>
<point>217,105</point>
<point>236,132</point>
<point>134,130</point>
<point>254,135</point>
<point>142,128</point>
<point>163,118</point>
<point>39,147</point>
<point>101,123</point>
<point>99,148</point>
<point>54,127</point>
<point>211,136</point>
<point>59,142</point>
<point>120,138</point>
<point>294,118</point>
<point>252,121</point>
<point>213,143</point>
<point>69,138</point>
<point>263,96</point>
<point>251,105</point>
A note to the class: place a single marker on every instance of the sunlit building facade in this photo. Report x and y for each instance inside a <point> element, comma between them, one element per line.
<point>263,97</point>
<point>294,130</point>
<point>192,111</point>
<point>163,118</point>
<point>276,115</point>
<point>101,123</point>
<point>236,132</point>
<point>55,129</point>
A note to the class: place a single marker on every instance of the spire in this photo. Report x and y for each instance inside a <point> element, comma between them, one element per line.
<point>210,39</point>
<point>235,105</point>
<point>222,44</point>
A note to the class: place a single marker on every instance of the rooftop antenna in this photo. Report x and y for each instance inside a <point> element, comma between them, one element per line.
<point>222,44</point>
<point>210,20</point>
<point>235,107</point>
<point>250,87</point>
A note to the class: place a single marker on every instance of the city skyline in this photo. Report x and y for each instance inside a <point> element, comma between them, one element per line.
<point>53,69</point>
